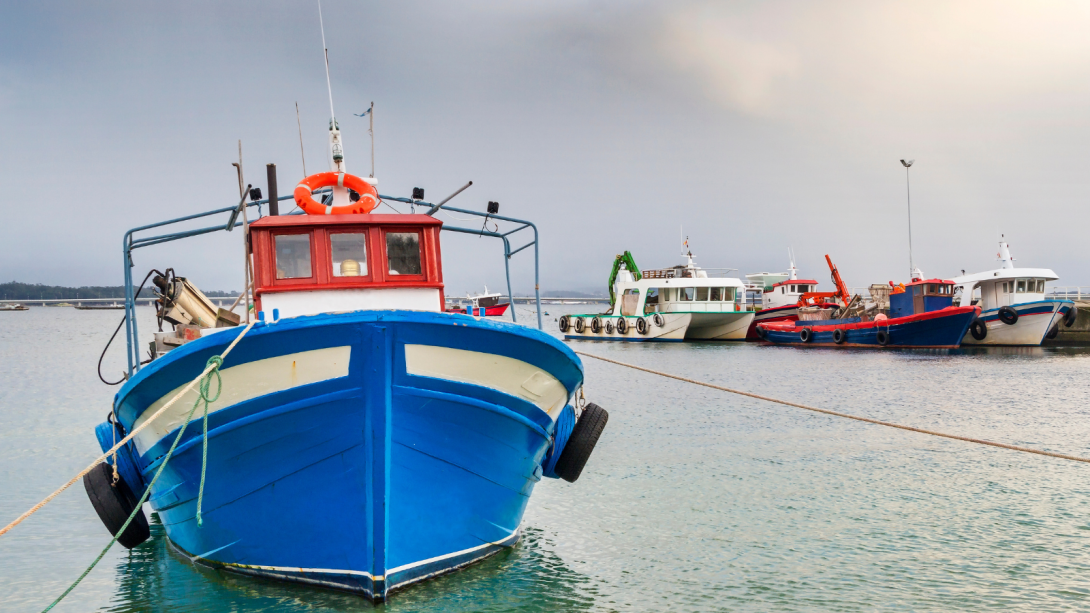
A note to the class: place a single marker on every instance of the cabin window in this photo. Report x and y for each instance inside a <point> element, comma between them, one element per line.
<point>686,293</point>
<point>716,294</point>
<point>1021,286</point>
<point>730,293</point>
<point>349,254</point>
<point>403,253</point>
<point>651,304</point>
<point>702,294</point>
<point>293,256</point>
<point>1040,286</point>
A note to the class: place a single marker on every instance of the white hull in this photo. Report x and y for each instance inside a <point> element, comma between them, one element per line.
<point>719,326</point>
<point>1029,330</point>
<point>673,329</point>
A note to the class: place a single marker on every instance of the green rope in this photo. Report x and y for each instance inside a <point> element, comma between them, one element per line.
<point>215,361</point>
<point>206,384</point>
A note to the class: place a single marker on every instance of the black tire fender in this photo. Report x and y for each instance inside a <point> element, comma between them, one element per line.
<point>622,325</point>
<point>1053,332</point>
<point>641,325</point>
<point>584,436</point>
<point>565,323</point>
<point>805,335</point>
<point>609,326</point>
<point>659,320</point>
<point>1008,315</point>
<point>1071,316</point>
<point>114,503</point>
<point>882,337</point>
<point>596,325</point>
<point>978,329</point>
<point>761,332</point>
<point>839,336</point>
<point>580,325</point>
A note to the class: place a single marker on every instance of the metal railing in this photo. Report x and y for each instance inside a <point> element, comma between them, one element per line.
<point>1068,292</point>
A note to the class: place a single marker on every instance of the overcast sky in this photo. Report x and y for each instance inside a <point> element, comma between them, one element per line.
<point>757,126</point>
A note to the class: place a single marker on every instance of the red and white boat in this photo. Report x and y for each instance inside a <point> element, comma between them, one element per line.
<point>489,302</point>
<point>780,297</point>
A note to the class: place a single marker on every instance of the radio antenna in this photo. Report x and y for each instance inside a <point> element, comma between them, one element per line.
<point>299,123</point>
<point>329,86</point>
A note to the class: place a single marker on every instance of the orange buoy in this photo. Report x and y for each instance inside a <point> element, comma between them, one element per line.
<point>368,194</point>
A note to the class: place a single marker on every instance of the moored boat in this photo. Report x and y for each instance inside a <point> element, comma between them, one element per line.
<point>670,304</point>
<point>1014,307</point>
<point>780,294</point>
<point>921,315</point>
<point>489,302</point>
<point>13,307</point>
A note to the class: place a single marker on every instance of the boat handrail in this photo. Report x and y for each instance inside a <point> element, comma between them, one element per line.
<point>130,243</point>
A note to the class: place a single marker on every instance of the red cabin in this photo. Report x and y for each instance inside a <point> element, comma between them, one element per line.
<point>309,264</point>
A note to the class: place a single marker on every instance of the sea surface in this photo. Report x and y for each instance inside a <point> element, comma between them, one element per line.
<point>694,500</point>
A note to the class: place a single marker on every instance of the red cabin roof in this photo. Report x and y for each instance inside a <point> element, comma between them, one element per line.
<point>923,281</point>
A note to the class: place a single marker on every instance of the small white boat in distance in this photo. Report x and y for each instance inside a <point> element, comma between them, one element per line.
<point>780,294</point>
<point>668,304</point>
<point>1014,309</point>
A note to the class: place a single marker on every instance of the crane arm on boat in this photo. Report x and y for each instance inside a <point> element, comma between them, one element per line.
<point>629,264</point>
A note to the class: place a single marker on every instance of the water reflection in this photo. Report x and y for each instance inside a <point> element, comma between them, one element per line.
<point>154,578</point>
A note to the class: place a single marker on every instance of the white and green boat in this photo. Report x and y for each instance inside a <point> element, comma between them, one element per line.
<point>668,304</point>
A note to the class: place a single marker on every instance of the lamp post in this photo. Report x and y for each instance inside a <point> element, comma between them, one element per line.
<point>908,191</point>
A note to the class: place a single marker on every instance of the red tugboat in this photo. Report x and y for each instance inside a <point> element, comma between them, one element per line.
<point>921,315</point>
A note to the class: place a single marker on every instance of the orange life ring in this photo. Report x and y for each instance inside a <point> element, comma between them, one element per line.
<point>368,194</point>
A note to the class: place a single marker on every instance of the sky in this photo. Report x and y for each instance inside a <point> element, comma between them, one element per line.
<point>749,127</point>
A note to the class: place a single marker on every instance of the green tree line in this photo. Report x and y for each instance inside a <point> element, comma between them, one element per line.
<point>37,291</point>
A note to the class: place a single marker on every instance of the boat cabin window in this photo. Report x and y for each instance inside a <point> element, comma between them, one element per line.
<point>716,294</point>
<point>348,252</point>
<point>686,293</point>
<point>702,294</point>
<point>293,256</point>
<point>1040,286</point>
<point>1021,286</point>
<point>403,253</point>
<point>651,303</point>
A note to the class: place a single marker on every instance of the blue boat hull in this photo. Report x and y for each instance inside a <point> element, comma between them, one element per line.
<point>937,329</point>
<point>365,481</point>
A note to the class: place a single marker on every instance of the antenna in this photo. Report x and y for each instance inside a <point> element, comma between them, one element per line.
<point>300,124</point>
<point>371,131</point>
<point>328,85</point>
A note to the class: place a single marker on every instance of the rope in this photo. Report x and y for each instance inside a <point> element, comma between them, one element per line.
<point>844,415</point>
<point>125,440</point>
<point>212,366</point>
<point>206,383</point>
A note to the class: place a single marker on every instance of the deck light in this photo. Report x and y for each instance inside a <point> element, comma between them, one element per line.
<point>255,194</point>
<point>418,193</point>
<point>493,207</point>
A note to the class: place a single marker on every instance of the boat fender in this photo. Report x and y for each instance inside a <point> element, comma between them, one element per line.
<point>580,444</point>
<point>108,433</point>
<point>114,502</point>
<point>1070,316</point>
<point>596,325</point>
<point>978,329</point>
<point>580,325</point>
<point>1008,315</point>
<point>367,201</point>
<point>565,422</point>
<point>622,325</point>
<point>609,327</point>
<point>641,325</point>
<point>659,320</point>
<point>1054,332</point>
<point>805,335</point>
<point>882,337</point>
<point>761,332</point>
<point>565,323</point>
<point>839,336</point>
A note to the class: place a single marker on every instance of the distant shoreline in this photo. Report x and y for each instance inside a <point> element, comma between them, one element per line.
<point>27,291</point>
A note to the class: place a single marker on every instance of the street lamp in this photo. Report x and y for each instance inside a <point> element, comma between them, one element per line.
<point>908,191</point>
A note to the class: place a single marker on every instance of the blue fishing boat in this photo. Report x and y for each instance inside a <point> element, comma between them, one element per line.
<point>362,439</point>
<point>921,314</point>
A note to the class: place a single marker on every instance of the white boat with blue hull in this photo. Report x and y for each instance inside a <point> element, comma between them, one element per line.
<point>1015,308</point>
<point>363,439</point>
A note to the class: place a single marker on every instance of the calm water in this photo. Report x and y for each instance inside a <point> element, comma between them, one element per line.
<point>694,500</point>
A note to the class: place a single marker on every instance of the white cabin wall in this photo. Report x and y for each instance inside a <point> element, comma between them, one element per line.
<point>295,304</point>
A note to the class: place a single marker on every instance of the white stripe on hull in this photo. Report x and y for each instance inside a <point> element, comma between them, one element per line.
<point>497,372</point>
<point>246,382</point>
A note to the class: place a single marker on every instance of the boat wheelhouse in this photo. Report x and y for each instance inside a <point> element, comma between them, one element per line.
<point>669,304</point>
<point>1014,307</point>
